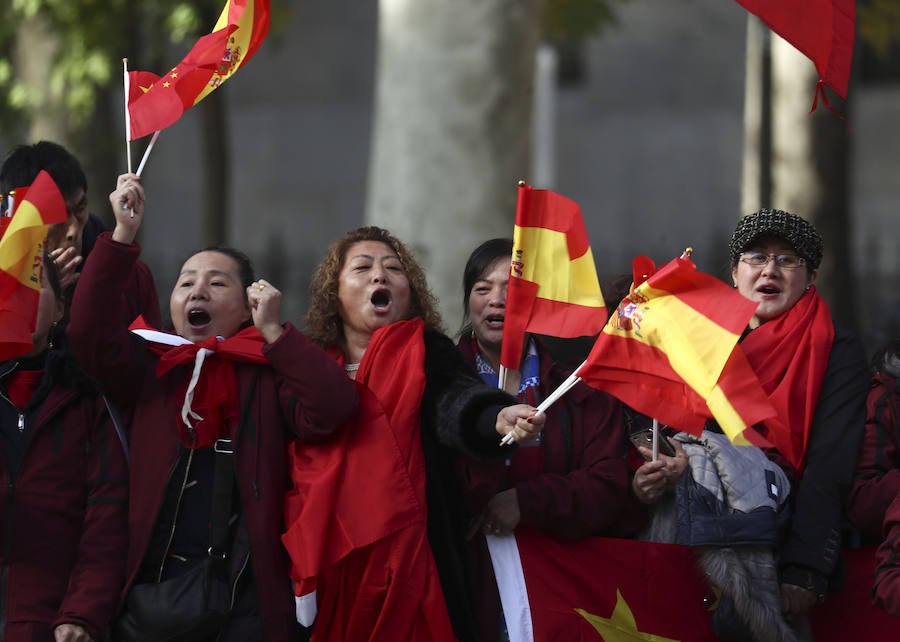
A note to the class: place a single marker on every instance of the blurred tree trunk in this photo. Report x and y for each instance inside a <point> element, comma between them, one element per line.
<point>216,168</point>
<point>36,47</point>
<point>451,132</point>
<point>811,169</point>
<point>215,155</point>
<point>797,161</point>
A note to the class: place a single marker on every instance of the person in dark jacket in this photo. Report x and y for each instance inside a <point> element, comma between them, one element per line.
<point>70,243</point>
<point>265,385</point>
<point>877,480</point>
<point>573,481</point>
<point>814,373</point>
<point>373,310</point>
<point>63,488</point>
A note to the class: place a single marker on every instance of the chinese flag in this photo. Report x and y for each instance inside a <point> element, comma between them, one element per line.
<point>155,103</point>
<point>669,351</point>
<point>822,30</point>
<point>617,590</point>
<point>553,286</point>
<point>21,260</point>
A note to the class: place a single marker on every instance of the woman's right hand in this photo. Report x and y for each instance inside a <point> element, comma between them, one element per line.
<point>127,202</point>
<point>654,478</point>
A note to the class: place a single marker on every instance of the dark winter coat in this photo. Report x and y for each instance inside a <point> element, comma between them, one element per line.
<point>583,490</point>
<point>303,393</point>
<point>63,489</point>
<point>877,480</point>
<point>459,413</point>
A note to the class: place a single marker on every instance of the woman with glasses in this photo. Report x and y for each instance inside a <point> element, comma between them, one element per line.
<point>815,376</point>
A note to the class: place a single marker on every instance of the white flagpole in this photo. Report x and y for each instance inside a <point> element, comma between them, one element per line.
<point>147,153</point>
<point>126,83</point>
<point>655,439</point>
<point>554,396</point>
<point>501,377</point>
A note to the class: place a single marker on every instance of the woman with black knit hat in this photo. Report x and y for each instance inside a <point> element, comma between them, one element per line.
<point>816,377</point>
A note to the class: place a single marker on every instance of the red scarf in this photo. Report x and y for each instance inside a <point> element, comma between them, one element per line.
<point>211,405</point>
<point>790,355</point>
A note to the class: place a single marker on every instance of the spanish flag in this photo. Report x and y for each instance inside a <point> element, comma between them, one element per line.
<point>21,261</point>
<point>553,286</point>
<point>155,103</point>
<point>670,351</point>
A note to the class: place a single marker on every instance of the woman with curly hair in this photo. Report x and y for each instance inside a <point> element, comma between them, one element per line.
<point>419,406</point>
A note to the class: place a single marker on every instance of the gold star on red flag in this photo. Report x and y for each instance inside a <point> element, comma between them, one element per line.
<point>620,626</point>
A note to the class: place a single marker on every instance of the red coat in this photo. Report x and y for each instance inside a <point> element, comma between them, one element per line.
<point>877,479</point>
<point>304,394</point>
<point>63,531</point>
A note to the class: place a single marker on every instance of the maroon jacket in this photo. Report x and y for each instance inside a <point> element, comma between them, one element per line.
<point>63,530</point>
<point>877,479</point>
<point>886,592</point>
<point>304,393</point>
<point>583,491</point>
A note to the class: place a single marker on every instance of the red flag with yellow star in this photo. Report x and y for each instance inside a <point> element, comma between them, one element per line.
<point>155,103</point>
<point>21,261</point>
<point>553,286</point>
<point>614,590</point>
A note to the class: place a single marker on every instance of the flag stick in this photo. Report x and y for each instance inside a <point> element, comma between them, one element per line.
<point>125,81</point>
<point>147,152</point>
<point>501,377</point>
<point>554,396</point>
<point>655,439</point>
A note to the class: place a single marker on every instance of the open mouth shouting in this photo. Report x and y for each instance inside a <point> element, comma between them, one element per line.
<point>198,319</point>
<point>381,301</point>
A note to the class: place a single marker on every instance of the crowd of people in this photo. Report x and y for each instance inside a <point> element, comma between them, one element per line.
<point>228,475</point>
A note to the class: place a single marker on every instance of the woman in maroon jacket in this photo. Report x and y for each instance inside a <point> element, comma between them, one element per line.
<point>877,481</point>
<point>573,481</point>
<point>63,530</point>
<point>180,423</point>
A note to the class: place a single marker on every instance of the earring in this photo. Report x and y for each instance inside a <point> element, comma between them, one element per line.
<point>50,336</point>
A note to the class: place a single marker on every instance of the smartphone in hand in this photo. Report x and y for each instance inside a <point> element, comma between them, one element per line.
<point>644,438</point>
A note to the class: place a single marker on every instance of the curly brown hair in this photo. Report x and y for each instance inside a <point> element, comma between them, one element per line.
<point>323,322</point>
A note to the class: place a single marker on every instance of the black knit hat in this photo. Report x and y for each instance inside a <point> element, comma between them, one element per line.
<point>795,230</point>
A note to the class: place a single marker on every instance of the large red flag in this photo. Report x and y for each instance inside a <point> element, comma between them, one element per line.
<point>669,351</point>
<point>356,516</point>
<point>155,103</point>
<point>823,30</point>
<point>618,590</point>
<point>21,261</point>
<point>615,590</point>
<point>553,286</point>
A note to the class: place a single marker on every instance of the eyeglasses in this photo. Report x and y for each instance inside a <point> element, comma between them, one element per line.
<point>786,261</point>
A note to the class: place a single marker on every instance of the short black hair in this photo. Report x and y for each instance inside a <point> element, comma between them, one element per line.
<point>246,272</point>
<point>25,162</point>
<point>479,260</point>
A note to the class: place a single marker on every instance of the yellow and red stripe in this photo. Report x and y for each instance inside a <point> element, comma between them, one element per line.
<point>553,286</point>
<point>21,262</point>
<point>670,351</point>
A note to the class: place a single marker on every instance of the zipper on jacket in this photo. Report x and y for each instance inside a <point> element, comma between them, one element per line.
<point>187,472</point>
<point>21,422</point>
<point>237,580</point>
